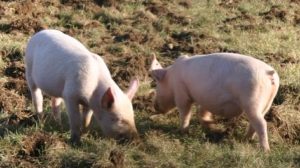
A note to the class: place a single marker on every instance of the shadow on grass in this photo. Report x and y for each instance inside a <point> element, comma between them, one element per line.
<point>196,131</point>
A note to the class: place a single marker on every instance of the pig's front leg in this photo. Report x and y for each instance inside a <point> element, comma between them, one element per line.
<point>184,106</point>
<point>37,99</point>
<point>250,133</point>
<point>87,114</point>
<point>74,119</point>
<point>55,102</point>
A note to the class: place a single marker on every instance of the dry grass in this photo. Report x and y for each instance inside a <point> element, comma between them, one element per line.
<point>125,33</point>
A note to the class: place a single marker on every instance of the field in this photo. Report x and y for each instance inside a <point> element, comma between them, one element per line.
<point>126,33</point>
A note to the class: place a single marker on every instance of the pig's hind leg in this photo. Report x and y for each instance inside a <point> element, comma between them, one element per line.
<point>205,117</point>
<point>259,125</point>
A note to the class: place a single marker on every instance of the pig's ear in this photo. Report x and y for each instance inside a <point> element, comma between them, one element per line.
<point>155,64</point>
<point>108,99</point>
<point>158,74</point>
<point>134,85</point>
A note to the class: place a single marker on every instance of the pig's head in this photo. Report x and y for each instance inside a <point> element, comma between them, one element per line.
<point>117,116</point>
<point>164,100</point>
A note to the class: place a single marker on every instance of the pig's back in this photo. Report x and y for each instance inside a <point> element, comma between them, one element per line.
<point>54,58</point>
<point>217,78</point>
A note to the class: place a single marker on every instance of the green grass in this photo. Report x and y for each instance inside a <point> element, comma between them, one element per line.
<point>126,34</point>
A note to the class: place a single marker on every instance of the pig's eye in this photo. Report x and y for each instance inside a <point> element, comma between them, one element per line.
<point>114,119</point>
<point>124,122</point>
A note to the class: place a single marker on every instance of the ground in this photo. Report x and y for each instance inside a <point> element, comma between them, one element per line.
<point>126,33</point>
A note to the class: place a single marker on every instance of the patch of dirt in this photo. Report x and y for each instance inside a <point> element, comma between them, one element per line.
<point>144,103</point>
<point>35,145</point>
<point>21,119</point>
<point>243,21</point>
<point>24,8</point>
<point>297,18</point>
<point>2,11</point>
<point>11,55</point>
<point>132,35</point>
<point>77,4</point>
<point>15,70</point>
<point>176,18</point>
<point>91,24</point>
<point>18,85</point>
<point>26,25</point>
<point>276,12</point>
<point>186,3</point>
<point>160,9</point>
<point>109,3</point>
<point>142,16</point>
<point>123,70</point>
<point>10,101</point>
<point>286,130</point>
<point>282,59</point>
<point>189,42</point>
<point>116,157</point>
<point>286,92</point>
<point>156,7</point>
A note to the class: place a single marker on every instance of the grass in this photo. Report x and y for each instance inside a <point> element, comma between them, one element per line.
<point>126,34</point>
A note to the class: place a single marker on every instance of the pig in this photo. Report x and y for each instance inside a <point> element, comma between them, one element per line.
<point>225,84</point>
<point>63,68</point>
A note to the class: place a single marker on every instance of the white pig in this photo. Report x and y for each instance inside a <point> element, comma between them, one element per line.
<point>224,84</point>
<point>64,69</point>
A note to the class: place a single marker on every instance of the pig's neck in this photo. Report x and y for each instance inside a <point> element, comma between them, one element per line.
<point>170,85</point>
<point>100,91</point>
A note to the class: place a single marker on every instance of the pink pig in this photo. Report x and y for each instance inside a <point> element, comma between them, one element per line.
<point>224,84</point>
<point>64,69</point>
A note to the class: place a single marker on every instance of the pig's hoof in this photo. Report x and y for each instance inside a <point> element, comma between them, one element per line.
<point>75,140</point>
<point>39,117</point>
<point>84,131</point>
<point>184,131</point>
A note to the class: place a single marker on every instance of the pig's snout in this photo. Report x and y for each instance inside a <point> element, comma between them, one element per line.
<point>127,137</point>
<point>156,107</point>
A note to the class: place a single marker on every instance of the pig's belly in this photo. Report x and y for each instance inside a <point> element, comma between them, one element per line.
<point>227,109</point>
<point>50,85</point>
